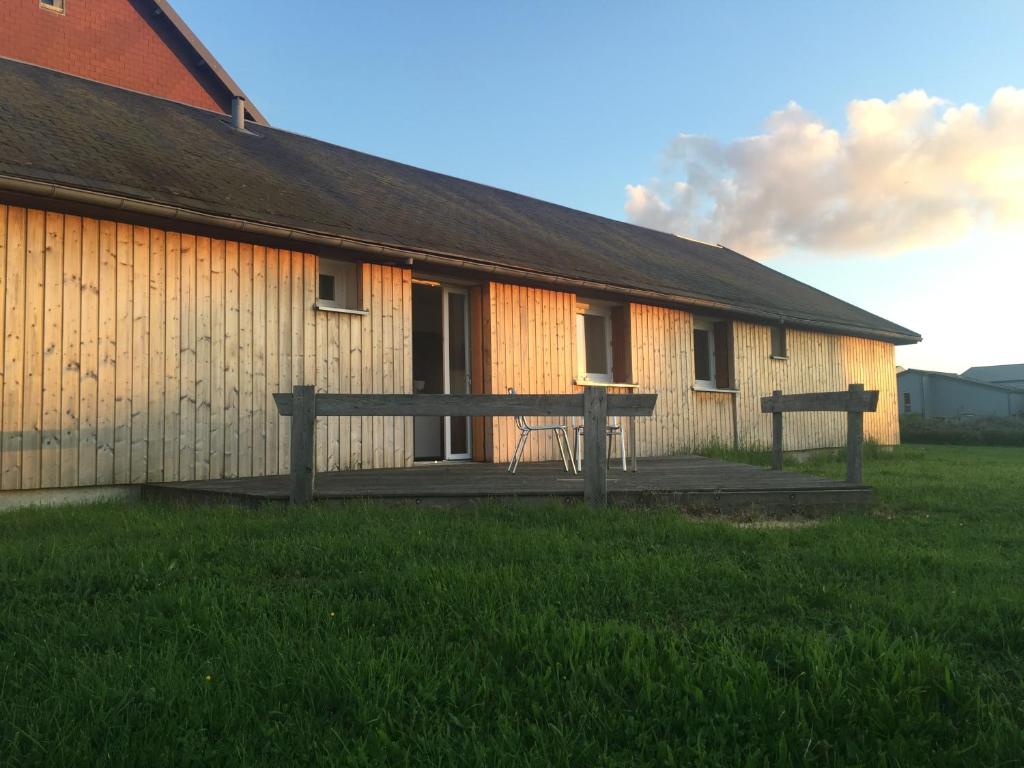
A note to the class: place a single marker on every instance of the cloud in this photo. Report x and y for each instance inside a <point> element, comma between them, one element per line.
<point>906,173</point>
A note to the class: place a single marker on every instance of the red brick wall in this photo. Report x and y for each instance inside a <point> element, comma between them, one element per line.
<point>120,42</point>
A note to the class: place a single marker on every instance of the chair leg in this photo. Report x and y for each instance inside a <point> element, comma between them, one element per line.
<point>568,451</point>
<point>521,449</point>
<point>559,434</point>
<point>622,447</point>
<point>578,454</point>
<point>514,464</point>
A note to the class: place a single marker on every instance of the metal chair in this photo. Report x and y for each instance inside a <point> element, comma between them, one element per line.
<point>613,429</point>
<point>561,433</point>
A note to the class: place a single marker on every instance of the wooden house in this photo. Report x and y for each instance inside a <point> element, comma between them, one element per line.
<point>166,268</point>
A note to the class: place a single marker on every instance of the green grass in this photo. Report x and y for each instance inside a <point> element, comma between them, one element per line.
<point>366,635</point>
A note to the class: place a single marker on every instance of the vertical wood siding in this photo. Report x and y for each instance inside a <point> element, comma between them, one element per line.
<point>131,354</point>
<point>531,347</point>
<point>531,331</point>
<point>817,362</point>
<point>686,419</point>
<point>663,363</point>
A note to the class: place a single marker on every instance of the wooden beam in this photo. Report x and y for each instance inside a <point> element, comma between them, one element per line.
<point>595,436</point>
<point>303,401</point>
<point>777,434</point>
<point>855,440</point>
<point>467,405</point>
<point>851,400</point>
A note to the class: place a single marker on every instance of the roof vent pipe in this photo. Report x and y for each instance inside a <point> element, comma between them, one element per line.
<point>238,113</point>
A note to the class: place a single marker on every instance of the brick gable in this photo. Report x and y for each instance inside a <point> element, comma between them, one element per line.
<point>127,43</point>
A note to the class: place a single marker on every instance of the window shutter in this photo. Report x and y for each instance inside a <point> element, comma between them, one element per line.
<point>622,347</point>
<point>723,355</point>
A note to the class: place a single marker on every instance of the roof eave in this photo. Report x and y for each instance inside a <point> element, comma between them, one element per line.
<point>104,200</point>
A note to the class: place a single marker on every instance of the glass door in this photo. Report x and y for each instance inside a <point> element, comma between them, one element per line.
<point>457,439</point>
<point>428,365</point>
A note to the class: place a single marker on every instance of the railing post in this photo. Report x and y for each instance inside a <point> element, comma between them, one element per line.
<point>855,441</point>
<point>595,436</point>
<point>300,489</point>
<point>777,435</point>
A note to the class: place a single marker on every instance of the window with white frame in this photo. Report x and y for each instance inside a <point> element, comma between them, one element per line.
<point>712,354</point>
<point>704,353</point>
<point>603,334</point>
<point>53,5</point>
<point>339,286</point>
<point>594,342</point>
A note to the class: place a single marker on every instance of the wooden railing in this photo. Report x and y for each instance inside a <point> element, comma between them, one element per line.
<point>304,405</point>
<point>855,401</point>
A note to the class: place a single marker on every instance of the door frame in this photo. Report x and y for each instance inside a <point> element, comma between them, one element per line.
<point>446,291</point>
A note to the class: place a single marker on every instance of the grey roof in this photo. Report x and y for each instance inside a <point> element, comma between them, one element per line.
<point>109,140</point>
<point>996,373</point>
<point>966,381</point>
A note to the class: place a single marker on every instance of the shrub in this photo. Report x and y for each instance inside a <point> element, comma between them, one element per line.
<point>962,431</point>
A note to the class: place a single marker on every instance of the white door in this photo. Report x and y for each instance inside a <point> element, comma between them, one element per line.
<point>455,310</point>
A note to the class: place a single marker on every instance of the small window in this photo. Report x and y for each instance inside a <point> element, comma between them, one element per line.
<point>906,402</point>
<point>703,355</point>
<point>326,292</point>
<point>594,344</point>
<point>53,5</point>
<point>339,286</point>
<point>779,350</point>
<point>712,354</point>
<point>602,342</point>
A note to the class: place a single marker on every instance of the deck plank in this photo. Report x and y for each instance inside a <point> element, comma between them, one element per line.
<point>683,481</point>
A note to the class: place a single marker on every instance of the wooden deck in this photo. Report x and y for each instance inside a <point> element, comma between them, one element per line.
<point>688,482</point>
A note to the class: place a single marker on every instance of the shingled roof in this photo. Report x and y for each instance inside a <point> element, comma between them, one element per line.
<point>962,378</point>
<point>75,133</point>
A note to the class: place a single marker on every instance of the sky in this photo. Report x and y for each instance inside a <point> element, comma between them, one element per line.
<point>873,150</point>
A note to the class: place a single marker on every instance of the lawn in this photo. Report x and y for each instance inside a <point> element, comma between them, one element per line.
<point>364,635</point>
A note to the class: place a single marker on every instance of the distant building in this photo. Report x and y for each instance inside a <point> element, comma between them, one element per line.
<point>933,393</point>
<point>1007,375</point>
<point>140,45</point>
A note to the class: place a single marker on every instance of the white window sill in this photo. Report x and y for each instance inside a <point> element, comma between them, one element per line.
<point>340,310</point>
<point>589,383</point>
<point>779,357</point>
<point>698,388</point>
